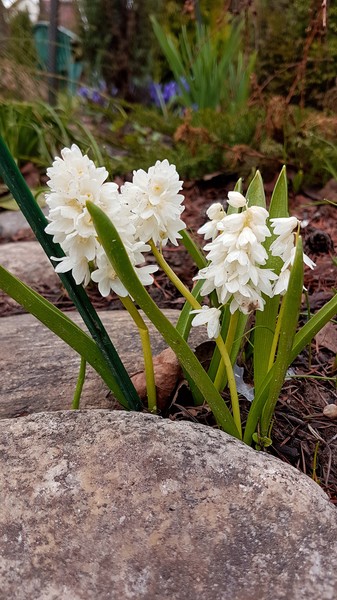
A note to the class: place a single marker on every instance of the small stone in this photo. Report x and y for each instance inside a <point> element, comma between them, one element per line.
<point>330,411</point>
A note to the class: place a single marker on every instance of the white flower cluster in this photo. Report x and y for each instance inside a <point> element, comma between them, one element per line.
<point>154,199</point>
<point>148,208</point>
<point>237,258</point>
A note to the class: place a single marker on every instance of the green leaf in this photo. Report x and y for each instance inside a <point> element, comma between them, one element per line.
<point>193,249</point>
<point>255,193</point>
<point>62,326</point>
<point>118,257</point>
<point>265,400</point>
<point>304,336</point>
<point>288,325</point>
<point>279,200</point>
<point>38,222</point>
<point>265,320</point>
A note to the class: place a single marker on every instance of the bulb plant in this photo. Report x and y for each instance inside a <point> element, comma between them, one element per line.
<point>251,268</point>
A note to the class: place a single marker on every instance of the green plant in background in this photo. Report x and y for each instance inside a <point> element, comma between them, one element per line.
<point>35,131</point>
<point>209,70</point>
<point>254,266</point>
<point>198,143</point>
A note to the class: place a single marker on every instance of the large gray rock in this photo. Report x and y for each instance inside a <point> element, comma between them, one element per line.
<point>99,505</point>
<point>38,371</point>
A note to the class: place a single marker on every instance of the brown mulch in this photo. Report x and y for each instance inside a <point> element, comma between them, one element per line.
<point>302,435</point>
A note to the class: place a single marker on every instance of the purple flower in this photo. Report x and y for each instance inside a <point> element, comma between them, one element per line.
<point>83,92</point>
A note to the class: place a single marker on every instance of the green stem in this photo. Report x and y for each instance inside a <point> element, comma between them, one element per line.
<point>276,336</point>
<point>173,277</point>
<point>229,342</point>
<point>147,352</point>
<point>231,383</point>
<point>219,341</point>
<point>79,386</point>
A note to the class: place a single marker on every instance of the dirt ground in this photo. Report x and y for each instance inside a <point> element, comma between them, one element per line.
<point>302,434</point>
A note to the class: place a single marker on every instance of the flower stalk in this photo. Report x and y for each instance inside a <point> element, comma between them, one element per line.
<point>173,277</point>
<point>147,352</point>
<point>79,386</point>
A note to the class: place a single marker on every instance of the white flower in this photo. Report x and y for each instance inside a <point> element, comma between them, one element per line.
<point>106,277</point>
<point>67,171</point>
<point>236,257</point>
<point>209,316</point>
<point>153,197</point>
<point>74,179</point>
<point>283,228</point>
<point>284,225</point>
<point>80,268</point>
<point>210,229</point>
<point>236,200</point>
<point>282,282</point>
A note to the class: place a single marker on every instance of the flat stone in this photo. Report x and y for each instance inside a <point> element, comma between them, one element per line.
<point>28,262</point>
<point>113,505</point>
<point>38,371</point>
<point>13,221</point>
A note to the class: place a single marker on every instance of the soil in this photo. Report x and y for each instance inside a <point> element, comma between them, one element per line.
<point>302,435</point>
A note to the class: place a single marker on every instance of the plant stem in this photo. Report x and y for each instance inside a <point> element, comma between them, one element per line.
<point>276,336</point>
<point>219,341</point>
<point>229,342</point>
<point>231,383</point>
<point>147,352</point>
<point>79,386</point>
<point>173,277</point>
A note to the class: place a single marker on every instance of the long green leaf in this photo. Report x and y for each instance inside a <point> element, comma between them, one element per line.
<point>304,336</point>
<point>62,326</point>
<point>120,261</point>
<point>265,320</point>
<point>289,321</point>
<point>301,339</point>
<point>267,395</point>
<point>36,219</point>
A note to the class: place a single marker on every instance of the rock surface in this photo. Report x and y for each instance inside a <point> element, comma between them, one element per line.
<point>105,505</point>
<point>13,223</point>
<point>38,371</point>
<point>28,262</point>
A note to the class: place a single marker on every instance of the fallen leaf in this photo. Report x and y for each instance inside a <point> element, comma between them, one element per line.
<point>327,337</point>
<point>167,372</point>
